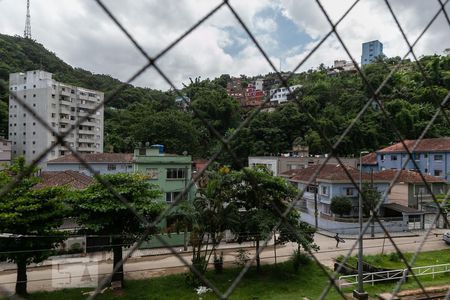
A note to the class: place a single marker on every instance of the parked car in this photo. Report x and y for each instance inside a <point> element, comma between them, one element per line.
<point>446,237</point>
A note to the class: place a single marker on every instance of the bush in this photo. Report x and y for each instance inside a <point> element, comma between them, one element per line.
<point>341,205</point>
<point>242,257</point>
<point>298,259</point>
<point>394,257</point>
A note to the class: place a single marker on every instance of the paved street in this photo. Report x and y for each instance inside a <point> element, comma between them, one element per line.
<point>75,271</point>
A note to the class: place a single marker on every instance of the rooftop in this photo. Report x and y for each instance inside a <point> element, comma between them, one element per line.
<point>95,158</point>
<point>369,159</point>
<point>425,145</point>
<point>407,176</point>
<point>332,172</point>
<point>72,179</point>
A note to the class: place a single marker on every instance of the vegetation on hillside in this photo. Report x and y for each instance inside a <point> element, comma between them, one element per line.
<point>325,107</point>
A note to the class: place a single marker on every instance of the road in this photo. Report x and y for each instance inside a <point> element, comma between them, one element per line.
<point>82,271</point>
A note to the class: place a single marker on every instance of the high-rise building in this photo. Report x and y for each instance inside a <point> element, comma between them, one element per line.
<point>61,106</point>
<point>371,50</point>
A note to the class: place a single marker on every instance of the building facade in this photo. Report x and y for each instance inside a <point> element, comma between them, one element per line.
<point>282,94</point>
<point>281,164</point>
<point>101,163</point>
<point>172,173</point>
<point>370,51</point>
<point>253,96</point>
<point>5,152</point>
<point>61,106</point>
<point>432,157</point>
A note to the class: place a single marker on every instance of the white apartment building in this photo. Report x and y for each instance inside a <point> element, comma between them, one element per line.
<point>61,106</point>
<point>282,94</point>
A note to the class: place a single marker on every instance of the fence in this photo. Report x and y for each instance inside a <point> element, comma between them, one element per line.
<point>332,146</point>
<point>391,275</point>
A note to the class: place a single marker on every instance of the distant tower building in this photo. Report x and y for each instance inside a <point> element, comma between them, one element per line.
<point>27,31</point>
<point>370,50</point>
<point>61,106</point>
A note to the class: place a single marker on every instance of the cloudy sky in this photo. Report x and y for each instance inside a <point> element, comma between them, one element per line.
<point>80,33</point>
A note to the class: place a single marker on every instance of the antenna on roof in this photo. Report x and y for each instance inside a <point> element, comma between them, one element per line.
<point>27,31</point>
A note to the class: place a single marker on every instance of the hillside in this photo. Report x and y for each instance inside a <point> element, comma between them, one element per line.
<point>18,54</point>
<point>325,107</point>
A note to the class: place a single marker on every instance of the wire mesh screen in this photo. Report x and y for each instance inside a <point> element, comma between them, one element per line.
<point>332,146</point>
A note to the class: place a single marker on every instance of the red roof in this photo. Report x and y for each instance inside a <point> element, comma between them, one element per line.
<point>425,145</point>
<point>95,158</point>
<point>72,179</point>
<point>369,159</point>
<point>407,176</point>
<point>328,172</point>
<point>332,172</point>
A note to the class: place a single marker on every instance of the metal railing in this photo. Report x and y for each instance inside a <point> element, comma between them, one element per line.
<point>391,275</point>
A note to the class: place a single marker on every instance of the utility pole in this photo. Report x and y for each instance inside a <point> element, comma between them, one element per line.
<point>27,31</point>
<point>359,292</point>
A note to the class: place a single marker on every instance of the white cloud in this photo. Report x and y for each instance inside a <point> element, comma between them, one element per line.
<point>84,36</point>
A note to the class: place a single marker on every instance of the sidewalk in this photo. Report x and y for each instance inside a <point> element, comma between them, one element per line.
<point>412,233</point>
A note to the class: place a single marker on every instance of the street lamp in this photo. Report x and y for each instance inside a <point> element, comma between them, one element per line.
<point>359,293</point>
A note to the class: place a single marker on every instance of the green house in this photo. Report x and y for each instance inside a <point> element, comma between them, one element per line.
<point>171,172</point>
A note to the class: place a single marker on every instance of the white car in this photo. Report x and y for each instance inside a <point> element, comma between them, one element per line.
<point>446,237</point>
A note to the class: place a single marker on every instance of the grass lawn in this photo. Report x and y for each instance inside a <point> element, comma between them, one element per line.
<point>274,282</point>
<point>393,261</point>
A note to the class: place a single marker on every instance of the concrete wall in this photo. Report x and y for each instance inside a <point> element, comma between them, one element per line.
<point>351,228</point>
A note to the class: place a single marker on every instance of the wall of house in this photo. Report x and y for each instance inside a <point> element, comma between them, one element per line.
<point>427,162</point>
<point>399,194</point>
<point>100,168</point>
<point>157,166</point>
<point>271,162</point>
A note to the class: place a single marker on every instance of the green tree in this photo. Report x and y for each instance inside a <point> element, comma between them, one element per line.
<point>98,211</point>
<point>371,198</point>
<point>263,197</point>
<point>208,217</point>
<point>32,217</point>
<point>341,205</point>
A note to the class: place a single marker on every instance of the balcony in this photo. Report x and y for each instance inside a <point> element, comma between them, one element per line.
<point>66,121</point>
<point>87,149</point>
<point>86,140</point>
<point>82,113</point>
<point>86,105</point>
<point>64,110</point>
<point>89,123</point>
<point>86,131</point>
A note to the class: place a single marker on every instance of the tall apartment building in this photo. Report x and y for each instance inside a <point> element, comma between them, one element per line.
<point>61,106</point>
<point>371,50</point>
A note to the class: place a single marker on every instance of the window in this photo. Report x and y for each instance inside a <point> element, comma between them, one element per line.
<point>152,173</point>
<point>349,191</point>
<point>176,173</point>
<point>311,189</point>
<point>142,151</point>
<point>437,172</point>
<point>111,167</point>
<point>324,190</point>
<point>171,196</point>
<point>393,157</point>
<point>438,157</point>
<point>34,95</point>
<point>382,156</point>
